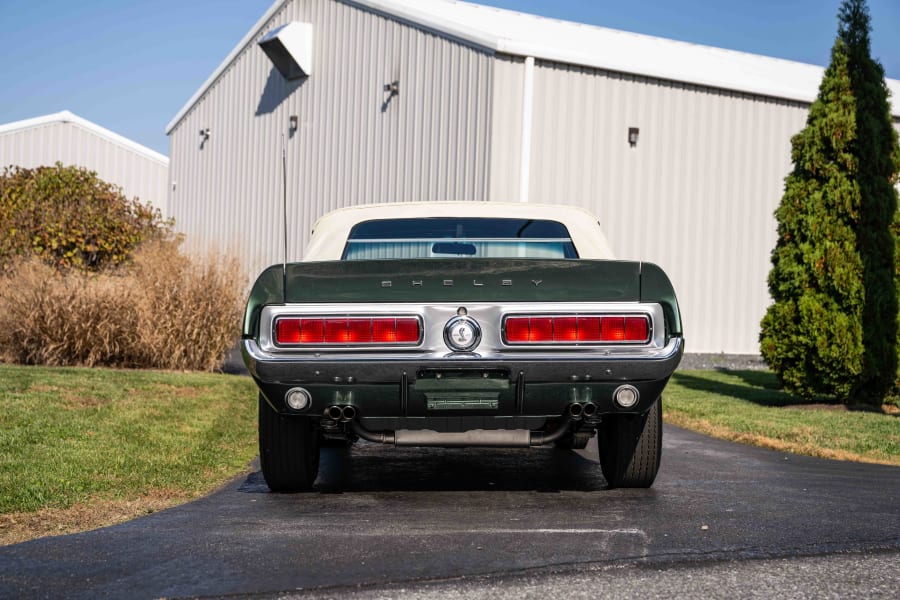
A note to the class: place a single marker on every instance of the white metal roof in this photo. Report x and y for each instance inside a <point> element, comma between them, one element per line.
<point>521,34</point>
<point>67,117</point>
<point>331,231</point>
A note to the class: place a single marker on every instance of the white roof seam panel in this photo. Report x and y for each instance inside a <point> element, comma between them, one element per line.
<point>68,117</point>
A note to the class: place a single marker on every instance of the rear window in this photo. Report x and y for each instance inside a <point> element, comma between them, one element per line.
<point>448,237</point>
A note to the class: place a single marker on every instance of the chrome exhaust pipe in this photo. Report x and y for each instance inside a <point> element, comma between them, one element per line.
<point>378,437</point>
<point>348,413</point>
<point>344,414</point>
<point>539,438</point>
<point>589,410</point>
<point>575,410</point>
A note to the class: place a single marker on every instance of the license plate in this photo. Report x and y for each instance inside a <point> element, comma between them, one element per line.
<point>456,390</point>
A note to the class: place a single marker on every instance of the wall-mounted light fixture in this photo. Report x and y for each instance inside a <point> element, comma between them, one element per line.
<point>204,137</point>
<point>293,123</point>
<point>633,133</point>
<point>290,48</point>
<point>391,89</point>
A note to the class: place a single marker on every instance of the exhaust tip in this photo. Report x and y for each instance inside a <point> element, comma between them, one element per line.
<point>334,412</point>
<point>348,413</point>
<point>589,409</point>
<point>575,409</point>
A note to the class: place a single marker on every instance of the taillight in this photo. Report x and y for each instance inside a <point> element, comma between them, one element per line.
<point>571,329</point>
<point>636,328</point>
<point>337,331</point>
<point>346,331</point>
<point>287,331</point>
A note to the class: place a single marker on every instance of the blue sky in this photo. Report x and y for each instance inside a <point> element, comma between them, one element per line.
<point>130,66</point>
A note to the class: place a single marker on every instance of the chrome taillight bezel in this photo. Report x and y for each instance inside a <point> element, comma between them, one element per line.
<point>358,318</point>
<point>552,341</point>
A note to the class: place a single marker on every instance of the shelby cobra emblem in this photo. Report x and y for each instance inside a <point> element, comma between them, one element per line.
<point>462,333</point>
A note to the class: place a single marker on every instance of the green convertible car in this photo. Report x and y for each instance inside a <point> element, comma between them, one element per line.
<point>461,324</point>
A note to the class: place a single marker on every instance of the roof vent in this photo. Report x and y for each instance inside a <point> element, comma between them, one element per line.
<point>289,47</point>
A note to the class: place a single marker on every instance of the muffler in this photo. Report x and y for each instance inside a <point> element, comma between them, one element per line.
<point>494,438</point>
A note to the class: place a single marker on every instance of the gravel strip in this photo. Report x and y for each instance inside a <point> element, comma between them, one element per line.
<point>731,362</point>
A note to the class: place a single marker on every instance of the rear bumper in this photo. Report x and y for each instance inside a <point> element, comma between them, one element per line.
<point>410,388</point>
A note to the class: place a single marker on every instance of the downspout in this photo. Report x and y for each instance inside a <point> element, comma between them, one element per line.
<point>527,112</point>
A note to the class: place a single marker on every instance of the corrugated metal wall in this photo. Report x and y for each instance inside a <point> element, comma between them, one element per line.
<point>138,175</point>
<point>695,195</point>
<point>506,134</point>
<point>354,143</point>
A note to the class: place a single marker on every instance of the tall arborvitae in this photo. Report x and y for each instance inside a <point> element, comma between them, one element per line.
<point>878,156</point>
<point>833,326</point>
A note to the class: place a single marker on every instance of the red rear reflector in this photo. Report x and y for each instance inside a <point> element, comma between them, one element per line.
<point>347,331</point>
<point>565,329</point>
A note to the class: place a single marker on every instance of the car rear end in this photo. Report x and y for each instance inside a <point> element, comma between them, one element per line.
<point>473,350</point>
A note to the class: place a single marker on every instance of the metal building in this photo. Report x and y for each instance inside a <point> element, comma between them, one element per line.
<point>681,150</point>
<point>69,139</point>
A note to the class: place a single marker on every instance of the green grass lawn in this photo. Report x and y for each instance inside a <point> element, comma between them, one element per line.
<point>70,436</point>
<point>747,406</point>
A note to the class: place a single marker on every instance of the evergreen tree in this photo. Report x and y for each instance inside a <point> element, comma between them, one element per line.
<point>833,327</point>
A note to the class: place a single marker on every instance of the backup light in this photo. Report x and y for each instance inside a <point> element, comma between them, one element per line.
<point>626,396</point>
<point>297,398</point>
<point>566,329</point>
<point>346,331</point>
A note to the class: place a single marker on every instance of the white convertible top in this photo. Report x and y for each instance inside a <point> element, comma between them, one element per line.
<point>331,231</point>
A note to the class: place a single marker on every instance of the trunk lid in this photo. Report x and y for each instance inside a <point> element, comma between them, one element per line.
<point>463,280</point>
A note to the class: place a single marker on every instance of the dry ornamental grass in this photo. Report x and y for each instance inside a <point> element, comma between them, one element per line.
<point>165,310</point>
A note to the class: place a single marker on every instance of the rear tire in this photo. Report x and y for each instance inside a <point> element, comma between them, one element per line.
<point>288,450</point>
<point>630,448</point>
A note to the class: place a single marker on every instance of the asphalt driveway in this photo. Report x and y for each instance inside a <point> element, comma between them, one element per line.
<point>382,516</point>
